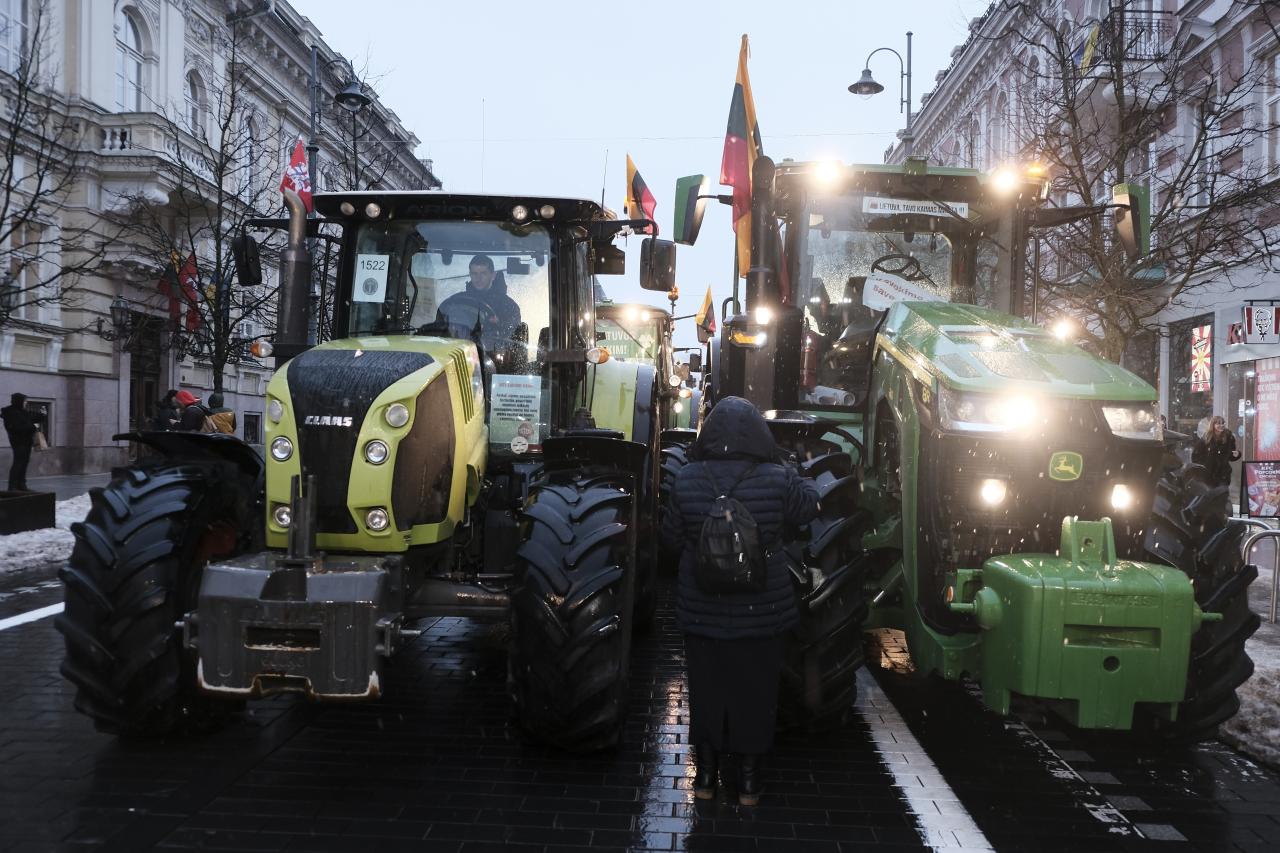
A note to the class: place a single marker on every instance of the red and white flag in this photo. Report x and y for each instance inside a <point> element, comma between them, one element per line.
<point>297,176</point>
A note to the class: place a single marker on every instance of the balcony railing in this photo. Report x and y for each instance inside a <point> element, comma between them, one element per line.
<point>140,134</point>
<point>1143,35</point>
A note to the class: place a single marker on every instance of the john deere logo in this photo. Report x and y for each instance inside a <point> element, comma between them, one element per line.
<point>1065,466</point>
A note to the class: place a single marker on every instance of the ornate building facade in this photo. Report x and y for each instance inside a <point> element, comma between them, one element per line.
<point>154,97</point>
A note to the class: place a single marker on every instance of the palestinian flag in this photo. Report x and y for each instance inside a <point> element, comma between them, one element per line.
<point>640,202</point>
<point>741,148</point>
<point>706,316</point>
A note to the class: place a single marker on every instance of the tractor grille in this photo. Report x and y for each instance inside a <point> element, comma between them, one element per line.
<point>424,459</point>
<point>966,531</point>
<point>339,384</point>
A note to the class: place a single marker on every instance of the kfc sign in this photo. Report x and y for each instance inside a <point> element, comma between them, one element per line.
<point>1260,325</point>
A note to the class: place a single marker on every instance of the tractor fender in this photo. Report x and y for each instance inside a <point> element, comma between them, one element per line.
<point>595,449</point>
<point>201,445</point>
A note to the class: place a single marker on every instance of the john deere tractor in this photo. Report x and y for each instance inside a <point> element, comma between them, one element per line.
<point>643,333</point>
<point>460,446</point>
<point>1016,513</point>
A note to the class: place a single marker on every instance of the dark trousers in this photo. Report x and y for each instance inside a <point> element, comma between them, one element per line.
<point>733,692</point>
<point>18,470</point>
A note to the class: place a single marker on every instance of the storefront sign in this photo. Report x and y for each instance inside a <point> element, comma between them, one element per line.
<point>1262,488</point>
<point>1266,402</point>
<point>1201,358</point>
<point>1260,325</point>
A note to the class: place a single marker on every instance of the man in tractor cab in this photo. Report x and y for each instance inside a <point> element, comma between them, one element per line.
<point>486,290</point>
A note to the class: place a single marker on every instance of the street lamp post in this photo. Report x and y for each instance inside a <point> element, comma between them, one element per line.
<point>868,86</point>
<point>351,98</point>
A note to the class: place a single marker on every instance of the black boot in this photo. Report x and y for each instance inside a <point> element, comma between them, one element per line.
<point>704,782</point>
<point>750,784</point>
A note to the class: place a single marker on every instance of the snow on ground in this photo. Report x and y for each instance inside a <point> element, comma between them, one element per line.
<point>1256,728</point>
<point>41,547</point>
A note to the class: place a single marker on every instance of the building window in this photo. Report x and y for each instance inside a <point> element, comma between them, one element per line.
<point>193,94</point>
<point>22,285</point>
<point>13,34</point>
<point>253,427</point>
<point>1273,115</point>
<point>128,63</point>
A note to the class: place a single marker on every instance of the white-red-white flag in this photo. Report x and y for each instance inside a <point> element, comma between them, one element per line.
<point>297,176</point>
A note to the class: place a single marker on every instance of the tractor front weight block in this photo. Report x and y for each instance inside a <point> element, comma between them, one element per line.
<point>265,625</point>
<point>1090,634</point>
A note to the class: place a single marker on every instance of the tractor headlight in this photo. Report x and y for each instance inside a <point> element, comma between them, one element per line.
<point>1137,421</point>
<point>377,518</point>
<point>397,415</point>
<point>275,410</point>
<point>376,452</point>
<point>993,492</point>
<point>281,448</point>
<point>282,515</point>
<point>986,412</point>
<point>1121,497</point>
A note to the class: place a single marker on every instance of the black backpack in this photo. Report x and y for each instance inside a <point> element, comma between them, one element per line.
<point>730,557</point>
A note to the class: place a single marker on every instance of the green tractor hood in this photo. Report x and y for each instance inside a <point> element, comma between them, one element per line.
<point>976,349</point>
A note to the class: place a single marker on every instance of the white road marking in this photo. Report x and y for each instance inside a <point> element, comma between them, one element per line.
<point>941,818</point>
<point>30,616</point>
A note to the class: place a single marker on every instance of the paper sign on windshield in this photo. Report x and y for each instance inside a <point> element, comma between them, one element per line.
<point>890,206</point>
<point>371,278</point>
<point>883,289</point>
<point>513,413</point>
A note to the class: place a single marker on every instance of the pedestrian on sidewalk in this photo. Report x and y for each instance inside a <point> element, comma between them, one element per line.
<point>222,417</point>
<point>734,640</point>
<point>1216,451</point>
<point>21,429</point>
<point>167,413</point>
<point>195,417</point>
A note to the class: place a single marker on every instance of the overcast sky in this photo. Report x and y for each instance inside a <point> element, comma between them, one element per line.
<point>528,97</point>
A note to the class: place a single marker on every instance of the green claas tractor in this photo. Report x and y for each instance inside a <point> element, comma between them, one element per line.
<point>1016,512</point>
<point>643,333</point>
<point>458,447</point>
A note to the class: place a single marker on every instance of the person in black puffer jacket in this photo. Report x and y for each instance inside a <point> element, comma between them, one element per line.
<point>734,641</point>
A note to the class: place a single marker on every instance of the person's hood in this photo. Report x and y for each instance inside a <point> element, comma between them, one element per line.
<point>17,399</point>
<point>735,429</point>
<point>186,398</point>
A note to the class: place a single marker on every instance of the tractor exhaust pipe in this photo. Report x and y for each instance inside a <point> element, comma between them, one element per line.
<point>295,283</point>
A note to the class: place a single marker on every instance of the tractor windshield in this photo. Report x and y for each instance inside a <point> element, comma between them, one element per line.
<point>482,281</point>
<point>633,335</point>
<point>861,254</point>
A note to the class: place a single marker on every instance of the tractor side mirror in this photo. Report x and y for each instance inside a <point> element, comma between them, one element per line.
<point>657,264</point>
<point>608,259</point>
<point>244,252</point>
<point>695,362</point>
<point>1133,219</point>
<point>690,206</point>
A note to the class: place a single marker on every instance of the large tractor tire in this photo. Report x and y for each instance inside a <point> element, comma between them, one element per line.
<point>1191,529</point>
<point>572,613</point>
<point>824,651</point>
<point>134,571</point>
<point>674,458</point>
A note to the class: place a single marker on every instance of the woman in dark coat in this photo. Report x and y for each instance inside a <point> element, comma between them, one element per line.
<point>1216,451</point>
<point>734,641</point>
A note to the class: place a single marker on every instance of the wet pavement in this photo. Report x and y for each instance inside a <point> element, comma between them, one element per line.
<point>437,766</point>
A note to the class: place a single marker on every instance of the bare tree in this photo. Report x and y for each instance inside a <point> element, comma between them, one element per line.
<point>222,167</point>
<point>1134,99</point>
<point>43,256</point>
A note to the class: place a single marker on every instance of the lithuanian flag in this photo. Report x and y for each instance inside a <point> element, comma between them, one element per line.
<point>741,148</point>
<point>706,316</point>
<point>640,202</point>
